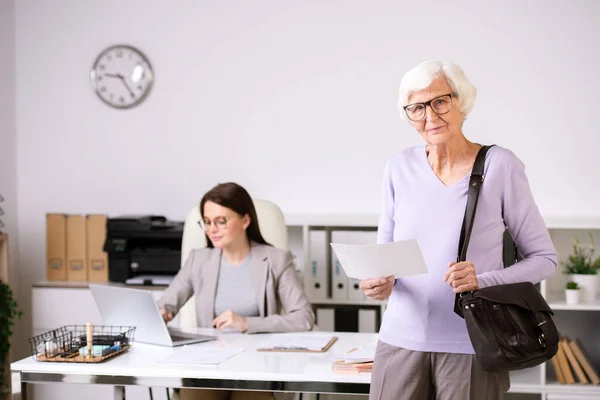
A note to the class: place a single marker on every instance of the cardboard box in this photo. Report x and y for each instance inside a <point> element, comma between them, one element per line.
<point>56,247</point>
<point>97,259</point>
<point>76,248</point>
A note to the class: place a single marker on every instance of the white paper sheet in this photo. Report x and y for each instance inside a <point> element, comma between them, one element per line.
<point>189,355</point>
<point>286,341</point>
<point>360,355</point>
<point>400,259</point>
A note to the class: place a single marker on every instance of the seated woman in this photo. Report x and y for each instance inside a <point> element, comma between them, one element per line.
<point>239,281</point>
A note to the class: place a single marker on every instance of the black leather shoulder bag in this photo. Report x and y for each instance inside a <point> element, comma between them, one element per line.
<point>510,326</point>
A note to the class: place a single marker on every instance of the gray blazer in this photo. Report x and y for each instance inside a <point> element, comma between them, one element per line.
<point>276,285</point>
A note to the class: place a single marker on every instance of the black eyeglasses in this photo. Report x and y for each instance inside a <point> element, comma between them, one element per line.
<point>440,105</point>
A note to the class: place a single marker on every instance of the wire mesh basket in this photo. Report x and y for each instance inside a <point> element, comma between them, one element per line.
<point>70,343</point>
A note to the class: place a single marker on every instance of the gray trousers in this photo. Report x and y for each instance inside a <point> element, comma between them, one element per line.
<point>400,374</point>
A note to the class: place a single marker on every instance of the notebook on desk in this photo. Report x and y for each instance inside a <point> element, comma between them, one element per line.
<point>302,343</point>
<point>125,306</point>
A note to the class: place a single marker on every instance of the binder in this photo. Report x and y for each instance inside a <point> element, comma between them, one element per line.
<point>564,364</point>
<point>56,247</point>
<point>326,319</point>
<point>577,349</point>
<point>317,280</point>
<point>355,293</point>
<point>558,371</point>
<point>97,258</point>
<point>573,361</point>
<point>76,248</point>
<point>339,280</point>
<point>367,321</point>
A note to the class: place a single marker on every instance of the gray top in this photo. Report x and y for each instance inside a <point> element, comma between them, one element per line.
<point>274,279</point>
<point>235,290</point>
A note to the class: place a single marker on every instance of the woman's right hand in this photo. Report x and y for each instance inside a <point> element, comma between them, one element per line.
<point>166,316</point>
<point>378,288</point>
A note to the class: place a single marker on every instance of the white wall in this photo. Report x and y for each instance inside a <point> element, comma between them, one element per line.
<point>8,159</point>
<point>294,100</point>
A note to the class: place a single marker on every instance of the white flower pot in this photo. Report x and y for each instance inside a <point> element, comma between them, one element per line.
<point>572,296</point>
<point>588,285</point>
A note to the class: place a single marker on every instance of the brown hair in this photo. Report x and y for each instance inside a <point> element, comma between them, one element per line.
<point>236,198</point>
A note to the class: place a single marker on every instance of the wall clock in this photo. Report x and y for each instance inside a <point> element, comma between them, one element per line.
<point>122,76</point>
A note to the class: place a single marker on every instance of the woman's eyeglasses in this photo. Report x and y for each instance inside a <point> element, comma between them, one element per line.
<point>440,105</point>
<point>219,222</point>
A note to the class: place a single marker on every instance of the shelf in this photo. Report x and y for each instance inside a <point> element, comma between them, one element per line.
<point>556,301</point>
<point>349,302</point>
<point>372,220</point>
<point>529,381</point>
<point>362,220</point>
<point>575,389</point>
<point>562,305</point>
<point>578,222</point>
<point>85,285</point>
<point>526,381</point>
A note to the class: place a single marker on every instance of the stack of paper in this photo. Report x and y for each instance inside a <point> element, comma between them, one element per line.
<point>355,361</point>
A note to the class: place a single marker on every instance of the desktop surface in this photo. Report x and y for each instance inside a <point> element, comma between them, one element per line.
<point>143,364</point>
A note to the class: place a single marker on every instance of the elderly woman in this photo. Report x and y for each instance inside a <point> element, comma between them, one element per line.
<point>424,351</point>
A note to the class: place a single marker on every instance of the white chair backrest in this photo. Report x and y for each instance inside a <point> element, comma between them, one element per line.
<point>271,224</point>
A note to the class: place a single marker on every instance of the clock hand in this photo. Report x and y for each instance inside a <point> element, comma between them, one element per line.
<point>127,86</point>
<point>122,78</point>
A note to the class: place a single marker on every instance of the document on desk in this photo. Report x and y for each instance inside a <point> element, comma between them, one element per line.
<point>400,259</point>
<point>190,355</point>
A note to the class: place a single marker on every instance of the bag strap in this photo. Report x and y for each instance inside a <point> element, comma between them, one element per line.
<point>475,182</point>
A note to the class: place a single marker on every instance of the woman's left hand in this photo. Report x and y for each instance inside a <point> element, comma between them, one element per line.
<point>461,277</point>
<point>229,318</point>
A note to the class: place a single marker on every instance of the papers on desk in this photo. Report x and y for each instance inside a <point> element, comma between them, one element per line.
<point>355,361</point>
<point>400,259</point>
<point>298,342</point>
<point>190,355</point>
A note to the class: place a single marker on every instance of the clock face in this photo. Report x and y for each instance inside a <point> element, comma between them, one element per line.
<point>122,76</point>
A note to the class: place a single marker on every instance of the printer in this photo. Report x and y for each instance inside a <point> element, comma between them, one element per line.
<point>142,249</point>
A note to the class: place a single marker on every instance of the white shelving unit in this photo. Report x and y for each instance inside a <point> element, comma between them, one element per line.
<point>575,321</point>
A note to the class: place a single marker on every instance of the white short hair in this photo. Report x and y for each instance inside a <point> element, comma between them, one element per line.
<point>421,76</point>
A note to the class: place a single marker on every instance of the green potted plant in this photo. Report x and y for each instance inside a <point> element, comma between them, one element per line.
<point>572,293</point>
<point>9,313</point>
<point>582,266</point>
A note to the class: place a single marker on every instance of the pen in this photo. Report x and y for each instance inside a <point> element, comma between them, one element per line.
<point>290,348</point>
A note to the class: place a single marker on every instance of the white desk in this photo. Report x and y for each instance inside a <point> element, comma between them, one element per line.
<point>248,370</point>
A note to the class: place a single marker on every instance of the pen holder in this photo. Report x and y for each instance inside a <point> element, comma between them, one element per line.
<point>70,343</point>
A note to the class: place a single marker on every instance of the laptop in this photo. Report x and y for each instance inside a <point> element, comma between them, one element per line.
<point>123,306</point>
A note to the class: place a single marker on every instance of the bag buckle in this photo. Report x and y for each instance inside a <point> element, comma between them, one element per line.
<point>542,340</point>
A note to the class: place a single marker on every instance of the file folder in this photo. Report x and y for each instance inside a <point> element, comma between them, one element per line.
<point>367,321</point>
<point>339,280</point>
<point>76,248</point>
<point>326,319</point>
<point>317,280</point>
<point>97,258</point>
<point>56,247</point>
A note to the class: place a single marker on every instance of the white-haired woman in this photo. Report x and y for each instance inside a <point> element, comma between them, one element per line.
<point>424,351</point>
